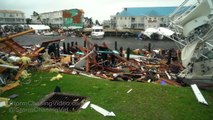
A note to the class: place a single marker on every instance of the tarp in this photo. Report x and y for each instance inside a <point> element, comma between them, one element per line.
<point>187,53</point>
<point>75,27</point>
<point>149,31</point>
<point>39,27</point>
<point>165,31</point>
<point>160,31</point>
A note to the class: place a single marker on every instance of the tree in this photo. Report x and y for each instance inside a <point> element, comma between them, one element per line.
<point>38,16</point>
<point>97,22</point>
<point>88,22</point>
<point>28,20</point>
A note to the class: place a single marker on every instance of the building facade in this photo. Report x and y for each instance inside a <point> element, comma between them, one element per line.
<point>12,17</point>
<point>71,17</point>
<point>142,18</point>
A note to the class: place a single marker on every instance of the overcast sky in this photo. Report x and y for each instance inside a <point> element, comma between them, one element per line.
<point>97,9</point>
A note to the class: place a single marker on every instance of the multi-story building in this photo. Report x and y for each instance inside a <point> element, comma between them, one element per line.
<point>142,17</point>
<point>71,17</point>
<point>106,23</point>
<point>11,17</point>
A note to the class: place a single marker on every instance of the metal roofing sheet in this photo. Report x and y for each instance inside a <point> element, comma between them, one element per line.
<point>147,11</point>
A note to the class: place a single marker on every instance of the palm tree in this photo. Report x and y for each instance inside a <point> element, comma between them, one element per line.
<point>38,16</point>
<point>28,20</point>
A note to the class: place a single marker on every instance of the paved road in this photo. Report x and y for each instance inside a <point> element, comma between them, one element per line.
<point>133,43</point>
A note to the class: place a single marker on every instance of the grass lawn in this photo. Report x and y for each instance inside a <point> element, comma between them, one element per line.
<point>147,101</point>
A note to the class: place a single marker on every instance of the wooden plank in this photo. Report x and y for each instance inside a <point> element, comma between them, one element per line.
<point>20,71</point>
<point>66,59</point>
<point>35,53</point>
<point>13,47</point>
<point>198,94</point>
<point>2,69</point>
<point>9,86</point>
<point>16,35</point>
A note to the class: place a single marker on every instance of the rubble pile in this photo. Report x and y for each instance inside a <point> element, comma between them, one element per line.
<point>98,61</point>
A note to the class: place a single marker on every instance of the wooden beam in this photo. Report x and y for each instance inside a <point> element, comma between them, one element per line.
<point>13,49</point>
<point>36,52</point>
<point>16,35</point>
<point>23,67</point>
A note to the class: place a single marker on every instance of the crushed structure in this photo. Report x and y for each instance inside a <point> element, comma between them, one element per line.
<point>91,60</point>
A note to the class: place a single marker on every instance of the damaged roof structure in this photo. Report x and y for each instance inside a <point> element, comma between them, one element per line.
<point>15,58</point>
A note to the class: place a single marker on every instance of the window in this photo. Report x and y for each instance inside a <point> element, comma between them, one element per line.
<point>120,18</point>
<point>141,25</point>
<point>133,20</point>
<point>11,15</point>
<point>18,20</point>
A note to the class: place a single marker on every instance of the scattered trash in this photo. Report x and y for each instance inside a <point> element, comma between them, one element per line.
<point>129,91</point>
<point>168,75</point>
<point>25,60</point>
<point>13,96</point>
<point>101,110</point>
<point>25,74</point>
<point>58,77</point>
<point>198,94</point>
<point>163,82</point>
<point>4,102</point>
<point>43,84</point>
<point>54,70</point>
<point>85,105</point>
<point>15,117</point>
<point>91,60</point>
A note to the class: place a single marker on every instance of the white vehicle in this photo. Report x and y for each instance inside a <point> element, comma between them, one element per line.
<point>97,32</point>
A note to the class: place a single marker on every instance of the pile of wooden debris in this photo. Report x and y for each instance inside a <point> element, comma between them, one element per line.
<point>159,66</point>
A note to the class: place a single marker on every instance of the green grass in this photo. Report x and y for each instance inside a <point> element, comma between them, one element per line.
<point>147,101</point>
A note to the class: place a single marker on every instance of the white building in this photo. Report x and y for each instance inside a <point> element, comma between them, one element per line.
<point>55,18</point>
<point>12,17</point>
<point>142,17</point>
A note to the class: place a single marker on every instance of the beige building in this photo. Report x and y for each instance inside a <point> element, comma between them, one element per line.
<point>12,17</point>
